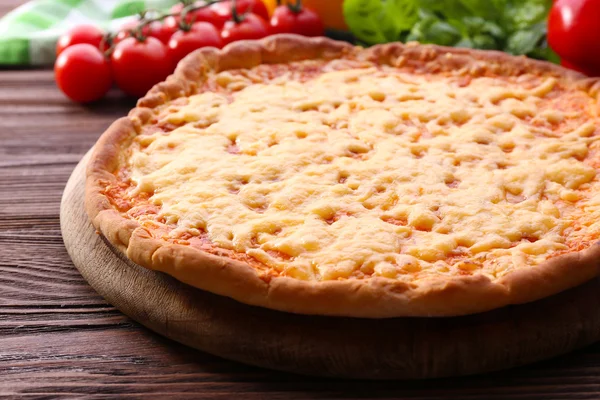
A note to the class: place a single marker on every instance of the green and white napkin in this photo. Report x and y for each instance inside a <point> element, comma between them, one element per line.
<point>29,33</point>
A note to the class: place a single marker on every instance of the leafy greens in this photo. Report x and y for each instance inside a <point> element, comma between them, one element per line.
<point>515,26</point>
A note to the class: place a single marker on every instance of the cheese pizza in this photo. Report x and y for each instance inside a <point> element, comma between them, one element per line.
<point>315,177</point>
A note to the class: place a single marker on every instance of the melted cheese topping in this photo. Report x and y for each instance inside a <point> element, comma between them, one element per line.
<point>377,172</point>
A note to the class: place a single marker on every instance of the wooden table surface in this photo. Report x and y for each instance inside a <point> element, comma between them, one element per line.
<point>58,337</point>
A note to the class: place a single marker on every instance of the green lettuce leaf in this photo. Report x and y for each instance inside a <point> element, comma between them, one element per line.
<point>514,26</point>
<point>380,21</point>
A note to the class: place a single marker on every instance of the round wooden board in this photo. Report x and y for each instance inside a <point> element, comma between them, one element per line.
<point>399,348</point>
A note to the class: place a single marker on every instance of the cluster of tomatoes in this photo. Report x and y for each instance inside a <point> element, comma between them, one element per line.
<point>145,52</point>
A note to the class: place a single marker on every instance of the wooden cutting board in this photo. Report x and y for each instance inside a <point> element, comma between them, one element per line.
<point>399,348</point>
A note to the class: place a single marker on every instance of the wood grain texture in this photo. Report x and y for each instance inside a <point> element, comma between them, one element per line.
<point>60,338</point>
<point>396,348</point>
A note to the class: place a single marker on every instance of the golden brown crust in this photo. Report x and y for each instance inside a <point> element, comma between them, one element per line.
<point>369,298</point>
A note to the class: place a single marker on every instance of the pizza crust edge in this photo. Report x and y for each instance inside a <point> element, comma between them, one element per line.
<point>376,297</point>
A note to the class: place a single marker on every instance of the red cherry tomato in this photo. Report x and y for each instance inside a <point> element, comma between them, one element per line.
<point>83,73</point>
<point>172,23</point>
<point>302,21</point>
<point>257,7</point>
<point>139,65</point>
<point>176,9</point>
<point>161,31</point>
<point>206,14</point>
<point>573,31</point>
<point>124,31</point>
<point>201,34</point>
<point>250,27</point>
<point>80,34</point>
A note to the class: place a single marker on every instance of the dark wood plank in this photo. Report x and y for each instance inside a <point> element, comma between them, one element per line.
<point>58,337</point>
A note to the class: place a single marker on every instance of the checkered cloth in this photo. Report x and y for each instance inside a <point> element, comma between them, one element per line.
<point>29,33</point>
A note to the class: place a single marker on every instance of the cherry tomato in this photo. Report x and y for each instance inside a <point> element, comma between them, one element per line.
<point>83,73</point>
<point>139,65</point>
<point>573,31</point>
<point>296,19</point>
<point>176,9</point>
<point>80,34</point>
<point>201,34</point>
<point>330,11</point>
<point>156,29</point>
<point>206,14</point>
<point>257,7</point>
<point>161,31</point>
<point>172,23</point>
<point>124,31</point>
<point>251,26</point>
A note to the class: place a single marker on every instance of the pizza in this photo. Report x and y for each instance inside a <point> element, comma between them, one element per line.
<point>315,177</point>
